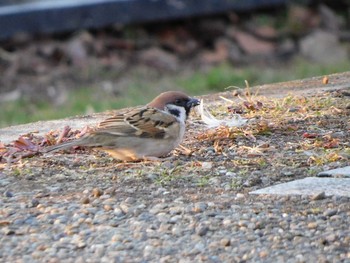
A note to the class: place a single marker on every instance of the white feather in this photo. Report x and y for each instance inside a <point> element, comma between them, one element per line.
<point>212,122</point>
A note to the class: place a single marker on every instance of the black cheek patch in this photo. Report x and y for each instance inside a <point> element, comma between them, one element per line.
<point>174,112</point>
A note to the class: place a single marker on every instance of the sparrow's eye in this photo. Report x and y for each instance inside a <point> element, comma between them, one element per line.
<point>178,102</point>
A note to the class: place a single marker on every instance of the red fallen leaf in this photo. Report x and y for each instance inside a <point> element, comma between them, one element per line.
<point>24,144</point>
<point>63,134</point>
<point>259,104</point>
<point>253,106</point>
<point>248,105</point>
<point>85,130</point>
<point>334,143</point>
<point>235,110</point>
<point>310,135</point>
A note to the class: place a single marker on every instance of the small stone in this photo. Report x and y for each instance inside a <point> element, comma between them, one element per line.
<point>199,207</point>
<point>35,202</point>
<point>339,134</point>
<point>8,193</point>
<point>288,173</point>
<point>130,200</point>
<point>110,191</point>
<point>214,181</point>
<point>312,225</point>
<point>4,223</point>
<point>225,242</point>
<point>263,254</point>
<point>202,230</point>
<point>242,223</point>
<point>226,222</point>
<point>330,212</point>
<point>85,200</point>
<point>108,207</point>
<point>176,210</point>
<point>8,231</point>
<point>116,238</point>
<point>222,171</point>
<point>231,174</point>
<point>96,192</point>
<point>207,165</point>
<point>319,196</point>
<point>152,176</point>
<point>239,196</point>
<point>175,219</point>
<point>81,244</point>
<point>331,238</point>
<point>176,231</point>
<point>124,207</point>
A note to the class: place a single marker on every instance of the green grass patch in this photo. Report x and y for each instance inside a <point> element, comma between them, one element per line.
<point>141,86</point>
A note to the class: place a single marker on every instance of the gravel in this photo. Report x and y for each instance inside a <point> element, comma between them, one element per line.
<point>95,222</point>
<point>190,209</point>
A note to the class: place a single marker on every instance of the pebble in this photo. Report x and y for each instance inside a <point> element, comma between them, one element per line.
<point>202,230</point>
<point>85,200</point>
<point>312,225</point>
<point>319,196</point>
<point>207,165</point>
<point>96,192</point>
<point>225,227</point>
<point>8,193</point>
<point>240,196</point>
<point>118,212</point>
<point>199,207</point>
<point>124,207</point>
<point>231,174</point>
<point>34,202</point>
<point>225,242</point>
<point>330,212</point>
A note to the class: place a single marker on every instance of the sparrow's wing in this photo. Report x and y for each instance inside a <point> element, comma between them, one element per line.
<point>143,122</point>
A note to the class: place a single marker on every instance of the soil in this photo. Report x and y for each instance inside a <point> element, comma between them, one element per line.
<point>288,136</point>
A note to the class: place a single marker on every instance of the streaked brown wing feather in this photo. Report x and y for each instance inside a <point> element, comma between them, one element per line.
<point>142,122</point>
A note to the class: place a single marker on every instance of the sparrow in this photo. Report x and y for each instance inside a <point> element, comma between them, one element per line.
<point>146,132</point>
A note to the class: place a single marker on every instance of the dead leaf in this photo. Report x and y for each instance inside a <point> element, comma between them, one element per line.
<point>25,144</point>
<point>63,134</point>
<point>325,80</point>
<point>310,135</point>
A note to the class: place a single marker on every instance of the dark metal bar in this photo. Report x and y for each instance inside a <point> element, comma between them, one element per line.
<point>44,16</point>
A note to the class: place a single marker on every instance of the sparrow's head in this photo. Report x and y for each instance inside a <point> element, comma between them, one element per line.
<point>173,101</point>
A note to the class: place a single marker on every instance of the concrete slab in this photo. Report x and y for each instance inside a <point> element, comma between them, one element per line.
<point>310,186</point>
<point>339,172</point>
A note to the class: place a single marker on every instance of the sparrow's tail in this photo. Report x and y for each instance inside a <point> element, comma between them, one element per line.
<point>63,146</point>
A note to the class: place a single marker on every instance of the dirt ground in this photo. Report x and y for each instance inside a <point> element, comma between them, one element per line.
<point>299,131</point>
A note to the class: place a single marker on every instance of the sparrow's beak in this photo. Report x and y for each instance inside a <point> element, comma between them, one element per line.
<point>193,102</point>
